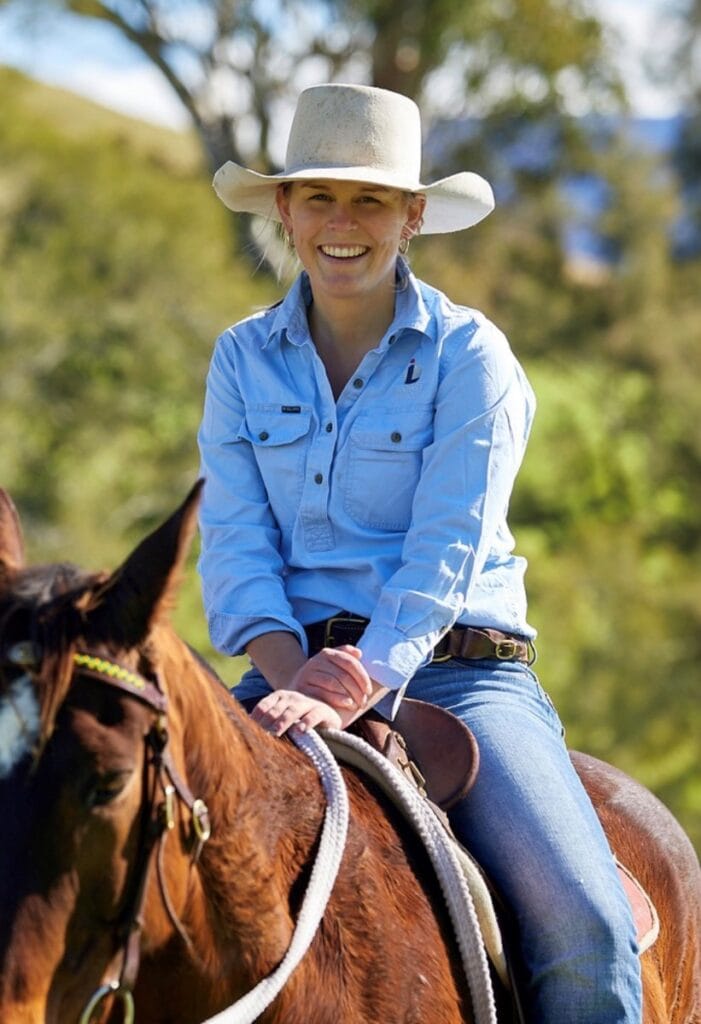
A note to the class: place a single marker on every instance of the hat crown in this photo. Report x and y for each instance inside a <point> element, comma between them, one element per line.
<point>339,126</point>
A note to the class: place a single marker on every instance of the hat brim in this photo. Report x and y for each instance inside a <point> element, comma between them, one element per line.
<point>452,204</point>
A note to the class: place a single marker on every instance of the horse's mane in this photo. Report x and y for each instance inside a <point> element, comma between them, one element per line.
<point>47,605</point>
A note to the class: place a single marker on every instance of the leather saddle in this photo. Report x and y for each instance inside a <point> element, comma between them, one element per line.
<point>430,745</point>
<point>440,755</point>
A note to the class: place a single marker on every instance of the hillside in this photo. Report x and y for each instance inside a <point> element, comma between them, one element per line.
<point>119,267</point>
<point>116,275</point>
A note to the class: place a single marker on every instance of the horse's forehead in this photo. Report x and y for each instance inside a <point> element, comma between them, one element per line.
<point>43,593</point>
<point>20,723</point>
<point>37,585</point>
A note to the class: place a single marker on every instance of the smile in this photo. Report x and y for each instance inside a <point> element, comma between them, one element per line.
<point>343,252</point>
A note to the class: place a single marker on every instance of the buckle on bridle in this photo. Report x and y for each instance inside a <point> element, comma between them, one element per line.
<point>112,988</point>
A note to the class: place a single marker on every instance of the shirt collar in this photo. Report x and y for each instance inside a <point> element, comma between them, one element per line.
<point>410,311</point>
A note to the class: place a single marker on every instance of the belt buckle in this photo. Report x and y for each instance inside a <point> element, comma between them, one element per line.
<point>328,631</point>
<point>437,659</point>
<point>329,638</point>
<point>505,650</point>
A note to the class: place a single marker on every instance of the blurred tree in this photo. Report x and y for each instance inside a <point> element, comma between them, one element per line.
<point>237,64</point>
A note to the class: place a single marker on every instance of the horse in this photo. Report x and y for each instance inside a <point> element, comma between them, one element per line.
<point>157,843</point>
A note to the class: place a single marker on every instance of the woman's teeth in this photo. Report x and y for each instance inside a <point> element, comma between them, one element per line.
<point>343,251</point>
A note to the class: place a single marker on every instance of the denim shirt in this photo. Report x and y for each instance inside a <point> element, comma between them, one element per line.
<point>389,502</point>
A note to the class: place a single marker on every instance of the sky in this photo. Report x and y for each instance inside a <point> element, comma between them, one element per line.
<point>93,60</point>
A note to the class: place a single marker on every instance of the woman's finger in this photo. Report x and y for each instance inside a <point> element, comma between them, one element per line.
<point>348,658</point>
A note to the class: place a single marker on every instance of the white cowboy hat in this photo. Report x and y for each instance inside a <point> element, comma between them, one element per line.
<point>358,133</point>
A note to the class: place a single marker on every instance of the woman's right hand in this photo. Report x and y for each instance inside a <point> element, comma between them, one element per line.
<point>336,676</point>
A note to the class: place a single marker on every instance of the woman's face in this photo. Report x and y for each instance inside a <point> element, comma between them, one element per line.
<point>347,234</point>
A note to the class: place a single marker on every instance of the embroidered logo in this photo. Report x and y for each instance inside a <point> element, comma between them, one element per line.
<point>413,372</point>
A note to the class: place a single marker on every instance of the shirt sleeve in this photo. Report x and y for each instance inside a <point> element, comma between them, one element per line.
<point>240,562</point>
<point>483,413</point>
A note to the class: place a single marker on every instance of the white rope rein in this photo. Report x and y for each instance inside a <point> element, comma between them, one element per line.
<point>323,876</point>
<point>443,857</point>
<point>321,882</point>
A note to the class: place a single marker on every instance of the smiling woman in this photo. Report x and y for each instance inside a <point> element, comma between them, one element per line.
<point>360,442</point>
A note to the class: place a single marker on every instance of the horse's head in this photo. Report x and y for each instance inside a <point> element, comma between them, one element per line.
<point>84,783</point>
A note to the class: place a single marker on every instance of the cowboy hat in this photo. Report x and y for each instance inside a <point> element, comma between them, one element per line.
<point>358,133</point>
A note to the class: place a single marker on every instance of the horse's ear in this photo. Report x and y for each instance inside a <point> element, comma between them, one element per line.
<point>128,604</point>
<point>11,543</point>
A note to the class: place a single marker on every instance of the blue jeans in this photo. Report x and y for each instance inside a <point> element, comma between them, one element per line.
<point>529,822</point>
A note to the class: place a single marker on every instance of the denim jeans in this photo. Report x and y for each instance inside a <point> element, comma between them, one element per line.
<point>529,822</point>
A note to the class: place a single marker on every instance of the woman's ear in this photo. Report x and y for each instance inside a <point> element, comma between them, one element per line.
<point>415,214</point>
<point>282,198</point>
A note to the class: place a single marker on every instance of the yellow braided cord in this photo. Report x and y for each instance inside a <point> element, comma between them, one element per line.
<point>109,669</point>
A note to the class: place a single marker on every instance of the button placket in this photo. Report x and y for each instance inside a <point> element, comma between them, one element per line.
<point>313,513</point>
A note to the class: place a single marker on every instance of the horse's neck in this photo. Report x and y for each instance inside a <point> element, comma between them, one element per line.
<point>265,805</point>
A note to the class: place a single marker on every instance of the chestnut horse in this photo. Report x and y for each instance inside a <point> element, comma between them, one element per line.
<point>119,752</point>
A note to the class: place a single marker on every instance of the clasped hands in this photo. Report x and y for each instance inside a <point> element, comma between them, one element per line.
<point>331,689</point>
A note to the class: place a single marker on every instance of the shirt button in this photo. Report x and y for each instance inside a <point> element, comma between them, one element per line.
<point>358,382</point>
<point>263,436</point>
<point>329,428</point>
<point>396,436</point>
<point>319,478</point>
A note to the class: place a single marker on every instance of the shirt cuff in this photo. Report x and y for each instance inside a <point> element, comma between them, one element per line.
<point>231,633</point>
<point>390,658</point>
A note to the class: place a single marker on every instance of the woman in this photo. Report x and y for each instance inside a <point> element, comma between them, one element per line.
<point>360,442</point>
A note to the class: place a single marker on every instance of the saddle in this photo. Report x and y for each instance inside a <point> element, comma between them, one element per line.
<point>433,748</point>
<point>440,755</point>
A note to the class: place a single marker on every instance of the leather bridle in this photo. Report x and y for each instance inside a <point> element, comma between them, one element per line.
<point>162,786</point>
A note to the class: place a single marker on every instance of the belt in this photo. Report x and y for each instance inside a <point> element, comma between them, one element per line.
<point>467,642</point>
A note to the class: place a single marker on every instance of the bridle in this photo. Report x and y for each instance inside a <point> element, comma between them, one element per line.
<point>162,786</point>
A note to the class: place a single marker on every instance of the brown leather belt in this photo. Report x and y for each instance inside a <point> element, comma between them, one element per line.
<point>467,642</point>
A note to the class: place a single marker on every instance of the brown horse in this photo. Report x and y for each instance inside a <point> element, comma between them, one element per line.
<point>120,750</point>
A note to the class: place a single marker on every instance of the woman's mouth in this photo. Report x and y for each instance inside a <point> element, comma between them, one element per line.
<point>343,252</point>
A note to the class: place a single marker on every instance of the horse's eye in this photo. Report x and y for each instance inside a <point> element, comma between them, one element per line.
<point>105,787</point>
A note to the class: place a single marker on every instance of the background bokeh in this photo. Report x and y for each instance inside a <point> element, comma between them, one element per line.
<point>118,268</point>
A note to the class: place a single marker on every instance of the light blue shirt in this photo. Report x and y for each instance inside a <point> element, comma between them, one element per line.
<point>390,502</point>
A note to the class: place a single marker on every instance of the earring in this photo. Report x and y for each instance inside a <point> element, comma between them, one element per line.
<point>404,245</point>
<point>290,240</point>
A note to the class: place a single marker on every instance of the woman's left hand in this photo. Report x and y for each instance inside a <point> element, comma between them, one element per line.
<point>278,710</point>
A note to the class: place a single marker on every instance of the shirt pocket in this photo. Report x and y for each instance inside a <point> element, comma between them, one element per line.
<point>280,442</point>
<point>384,467</point>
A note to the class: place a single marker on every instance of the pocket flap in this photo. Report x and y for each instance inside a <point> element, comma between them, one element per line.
<point>271,425</point>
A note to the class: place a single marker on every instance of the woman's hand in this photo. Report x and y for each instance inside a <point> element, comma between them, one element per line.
<point>280,709</point>
<point>335,676</point>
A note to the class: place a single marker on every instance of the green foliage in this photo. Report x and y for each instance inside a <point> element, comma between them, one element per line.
<point>116,274</point>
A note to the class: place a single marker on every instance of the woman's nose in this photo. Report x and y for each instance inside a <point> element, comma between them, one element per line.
<point>342,216</point>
